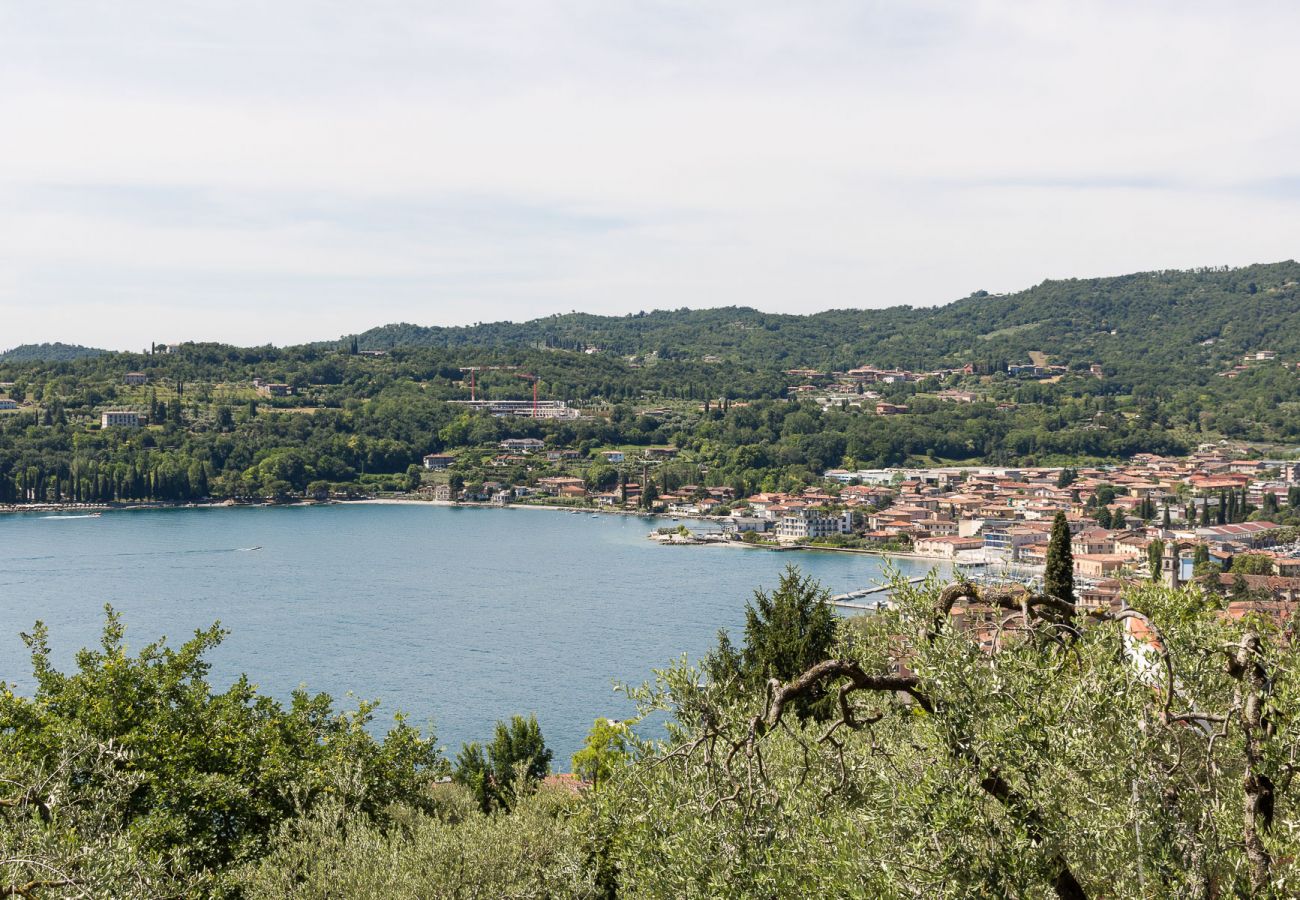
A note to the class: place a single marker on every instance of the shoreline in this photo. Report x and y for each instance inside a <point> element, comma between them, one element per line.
<point>445,503</point>
<point>452,504</point>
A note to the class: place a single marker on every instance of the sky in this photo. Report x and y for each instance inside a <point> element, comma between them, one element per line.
<point>278,172</point>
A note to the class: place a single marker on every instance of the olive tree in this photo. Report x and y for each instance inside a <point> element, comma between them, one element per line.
<point>998,743</point>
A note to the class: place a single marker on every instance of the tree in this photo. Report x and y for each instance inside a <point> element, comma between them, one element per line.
<point>211,774</point>
<point>1103,517</point>
<point>604,752</point>
<point>786,631</point>
<point>1252,564</point>
<point>474,772</point>
<point>1270,504</point>
<point>225,419</point>
<point>517,754</point>
<point>64,828</point>
<point>519,742</point>
<point>1155,551</point>
<point>649,494</point>
<point>1058,580</point>
<point>1106,493</point>
<point>1068,758</point>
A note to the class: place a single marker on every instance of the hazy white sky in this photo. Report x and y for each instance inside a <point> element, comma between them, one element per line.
<point>287,171</point>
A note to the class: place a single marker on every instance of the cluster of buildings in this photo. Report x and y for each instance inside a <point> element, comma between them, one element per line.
<point>851,388</point>
<point>1252,360</point>
<point>1005,515</point>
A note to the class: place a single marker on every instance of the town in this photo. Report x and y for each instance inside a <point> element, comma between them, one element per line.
<point>1228,522</point>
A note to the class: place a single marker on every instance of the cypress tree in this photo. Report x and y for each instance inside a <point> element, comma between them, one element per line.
<point>1059,579</point>
<point>1155,550</point>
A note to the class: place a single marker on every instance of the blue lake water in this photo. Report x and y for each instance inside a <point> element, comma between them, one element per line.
<point>458,617</point>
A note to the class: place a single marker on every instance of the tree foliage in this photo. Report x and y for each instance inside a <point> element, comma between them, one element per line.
<point>786,631</point>
<point>210,773</point>
<point>603,753</point>
<point>516,759</point>
<point>1058,580</point>
<point>1073,760</point>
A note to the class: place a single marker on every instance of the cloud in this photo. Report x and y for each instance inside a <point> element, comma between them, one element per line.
<point>254,172</point>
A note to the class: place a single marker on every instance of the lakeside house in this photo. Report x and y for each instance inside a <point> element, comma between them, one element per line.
<point>946,547</point>
<point>808,523</point>
<point>438,461</point>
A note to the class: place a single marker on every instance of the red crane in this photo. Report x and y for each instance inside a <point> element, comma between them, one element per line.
<point>471,370</point>
<point>534,379</point>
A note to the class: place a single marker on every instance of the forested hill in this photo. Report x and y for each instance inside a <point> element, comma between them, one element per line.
<point>1198,319</point>
<point>56,352</point>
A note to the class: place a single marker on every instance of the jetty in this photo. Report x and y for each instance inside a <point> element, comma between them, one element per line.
<point>846,601</point>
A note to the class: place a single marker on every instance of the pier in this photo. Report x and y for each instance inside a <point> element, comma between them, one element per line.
<point>845,601</point>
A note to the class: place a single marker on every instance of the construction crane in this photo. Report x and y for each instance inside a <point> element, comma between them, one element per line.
<point>472,370</point>
<point>534,379</point>
<point>472,386</point>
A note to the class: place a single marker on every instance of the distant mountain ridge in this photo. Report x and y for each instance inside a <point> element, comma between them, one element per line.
<point>56,352</point>
<point>1198,318</point>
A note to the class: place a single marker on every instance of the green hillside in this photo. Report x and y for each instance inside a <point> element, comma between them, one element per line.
<point>1135,325</point>
<point>56,352</point>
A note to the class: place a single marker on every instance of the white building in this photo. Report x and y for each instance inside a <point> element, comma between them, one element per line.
<point>438,461</point>
<point>739,524</point>
<point>527,445</point>
<point>545,409</point>
<point>119,418</point>
<point>806,524</point>
<point>6,403</point>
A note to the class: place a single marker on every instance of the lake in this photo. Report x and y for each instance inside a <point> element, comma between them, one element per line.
<point>458,617</point>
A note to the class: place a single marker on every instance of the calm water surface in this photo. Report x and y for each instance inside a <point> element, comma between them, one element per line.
<point>457,617</point>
